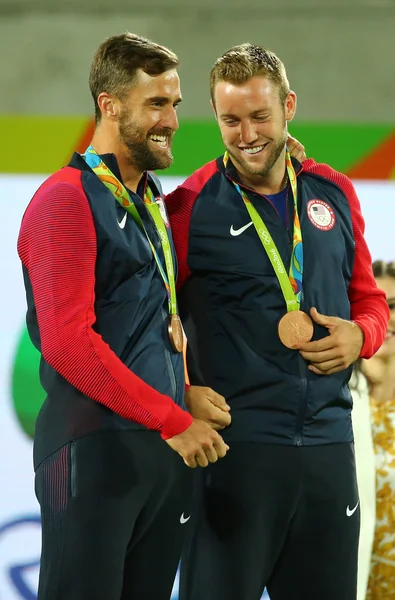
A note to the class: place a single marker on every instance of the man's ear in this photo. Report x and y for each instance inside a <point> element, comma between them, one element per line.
<point>109,107</point>
<point>290,106</point>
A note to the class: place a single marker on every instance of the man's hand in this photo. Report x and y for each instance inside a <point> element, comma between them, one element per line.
<point>199,445</point>
<point>296,149</point>
<point>338,350</point>
<point>205,404</point>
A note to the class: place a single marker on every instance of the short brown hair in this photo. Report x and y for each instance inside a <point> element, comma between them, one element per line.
<point>117,60</point>
<point>241,63</point>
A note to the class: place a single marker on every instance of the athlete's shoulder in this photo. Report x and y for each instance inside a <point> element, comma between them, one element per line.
<point>200,177</point>
<point>66,176</point>
<point>184,196</point>
<point>327,172</point>
<point>62,187</point>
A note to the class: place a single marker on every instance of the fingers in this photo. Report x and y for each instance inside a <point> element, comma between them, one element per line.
<point>218,400</point>
<point>221,448</point>
<point>202,459</point>
<point>210,455</point>
<point>329,367</point>
<point>299,153</point>
<point>190,461</point>
<point>219,417</point>
<point>216,426</point>
<point>328,361</point>
<point>199,444</point>
<point>216,449</point>
<point>324,320</point>
<point>325,343</point>
<point>321,357</point>
<point>296,149</point>
<point>301,156</point>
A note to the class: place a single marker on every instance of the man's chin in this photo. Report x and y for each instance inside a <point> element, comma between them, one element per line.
<point>156,163</point>
<point>162,162</point>
<point>242,162</point>
<point>253,168</point>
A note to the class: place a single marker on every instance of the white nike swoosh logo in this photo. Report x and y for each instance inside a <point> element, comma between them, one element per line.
<point>239,231</point>
<point>123,222</point>
<point>183,519</point>
<point>350,512</point>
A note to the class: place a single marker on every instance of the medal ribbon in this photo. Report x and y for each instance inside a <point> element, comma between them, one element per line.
<point>291,284</point>
<point>121,194</point>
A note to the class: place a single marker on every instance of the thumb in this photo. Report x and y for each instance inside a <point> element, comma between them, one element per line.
<point>218,400</point>
<point>324,320</point>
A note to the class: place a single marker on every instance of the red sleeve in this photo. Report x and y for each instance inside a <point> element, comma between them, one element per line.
<point>179,207</point>
<point>57,245</point>
<point>368,303</point>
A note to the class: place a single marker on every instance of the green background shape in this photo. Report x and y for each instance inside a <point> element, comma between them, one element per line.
<point>27,393</point>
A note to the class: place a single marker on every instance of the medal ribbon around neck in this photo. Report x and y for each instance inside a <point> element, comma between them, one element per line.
<point>121,194</point>
<point>291,284</point>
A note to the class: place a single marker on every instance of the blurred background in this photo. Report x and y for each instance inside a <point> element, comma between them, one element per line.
<point>339,56</point>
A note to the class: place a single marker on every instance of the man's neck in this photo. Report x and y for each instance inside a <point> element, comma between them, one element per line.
<point>105,143</point>
<point>272,183</point>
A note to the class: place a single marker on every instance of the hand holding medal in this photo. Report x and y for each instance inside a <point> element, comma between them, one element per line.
<point>336,351</point>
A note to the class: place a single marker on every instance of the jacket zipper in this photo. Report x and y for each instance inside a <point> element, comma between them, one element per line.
<point>301,362</point>
<point>302,403</point>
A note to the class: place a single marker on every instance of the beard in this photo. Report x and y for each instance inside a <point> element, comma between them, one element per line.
<point>140,153</point>
<point>262,170</point>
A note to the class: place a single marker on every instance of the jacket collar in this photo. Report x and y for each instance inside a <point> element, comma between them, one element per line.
<point>110,160</point>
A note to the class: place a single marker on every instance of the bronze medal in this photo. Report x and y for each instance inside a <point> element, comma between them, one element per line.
<point>176,333</point>
<point>295,328</point>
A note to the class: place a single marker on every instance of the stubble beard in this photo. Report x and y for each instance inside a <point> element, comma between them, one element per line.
<point>140,155</point>
<point>262,171</point>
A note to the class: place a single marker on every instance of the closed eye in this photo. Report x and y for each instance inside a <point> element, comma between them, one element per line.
<point>261,118</point>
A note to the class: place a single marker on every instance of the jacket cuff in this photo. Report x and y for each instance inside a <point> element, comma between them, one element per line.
<point>367,349</point>
<point>177,421</point>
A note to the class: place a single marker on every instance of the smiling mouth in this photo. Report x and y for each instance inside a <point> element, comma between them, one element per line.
<point>254,150</point>
<point>161,140</point>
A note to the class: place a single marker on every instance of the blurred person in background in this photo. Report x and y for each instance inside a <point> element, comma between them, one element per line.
<point>366,473</point>
<point>99,272</point>
<point>380,373</point>
<point>261,241</point>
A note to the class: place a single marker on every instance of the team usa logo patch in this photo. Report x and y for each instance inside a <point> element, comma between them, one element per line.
<point>321,214</point>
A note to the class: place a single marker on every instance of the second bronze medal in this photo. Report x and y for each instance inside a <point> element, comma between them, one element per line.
<point>176,333</point>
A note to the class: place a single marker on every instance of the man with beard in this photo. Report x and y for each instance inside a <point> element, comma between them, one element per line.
<point>99,272</point>
<point>278,300</point>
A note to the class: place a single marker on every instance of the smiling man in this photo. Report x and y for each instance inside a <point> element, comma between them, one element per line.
<point>278,300</point>
<point>99,272</point>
